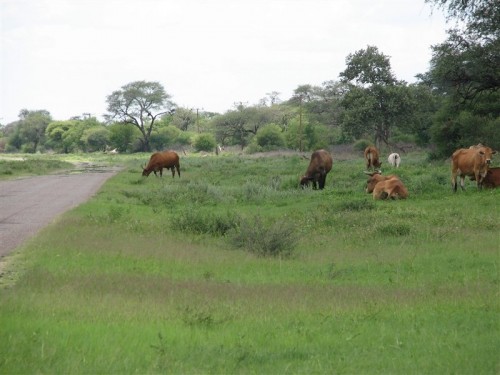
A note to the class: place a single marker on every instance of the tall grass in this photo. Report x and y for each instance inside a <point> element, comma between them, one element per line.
<point>234,269</point>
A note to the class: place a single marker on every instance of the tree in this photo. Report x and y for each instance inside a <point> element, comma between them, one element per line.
<point>68,136</point>
<point>63,136</point>
<point>376,102</point>
<point>465,71</point>
<point>32,127</point>
<point>183,118</point>
<point>368,67</point>
<point>140,103</point>
<point>95,139</point>
<point>240,125</point>
<point>122,136</point>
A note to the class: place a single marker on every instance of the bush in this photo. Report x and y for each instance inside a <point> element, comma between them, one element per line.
<point>205,142</point>
<point>394,230</point>
<point>194,221</point>
<point>276,239</point>
<point>270,137</point>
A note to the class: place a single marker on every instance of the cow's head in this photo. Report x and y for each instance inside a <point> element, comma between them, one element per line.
<point>145,172</point>
<point>486,154</point>
<point>375,177</point>
<point>304,181</point>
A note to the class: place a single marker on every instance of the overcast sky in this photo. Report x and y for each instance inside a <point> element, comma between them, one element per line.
<point>67,56</point>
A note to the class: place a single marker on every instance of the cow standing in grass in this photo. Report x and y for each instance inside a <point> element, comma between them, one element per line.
<point>473,162</point>
<point>394,159</point>
<point>160,160</point>
<point>372,158</point>
<point>319,166</point>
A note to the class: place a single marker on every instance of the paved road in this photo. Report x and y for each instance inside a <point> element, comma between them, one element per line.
<point>29,204</point>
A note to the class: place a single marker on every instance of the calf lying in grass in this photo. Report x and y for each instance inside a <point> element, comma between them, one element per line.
<point>384,187</point>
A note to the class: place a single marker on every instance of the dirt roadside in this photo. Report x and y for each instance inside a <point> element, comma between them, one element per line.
<point>29,204</point>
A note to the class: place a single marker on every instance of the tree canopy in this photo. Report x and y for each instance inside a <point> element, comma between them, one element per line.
<point>465,70</point>
<point>139,103</point>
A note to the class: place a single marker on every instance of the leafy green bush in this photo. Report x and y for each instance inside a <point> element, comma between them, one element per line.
<point>270,137</point>
<point>258,237</point>
<point>195,221</point>
<point>205,142</point>
<point>394,229</point>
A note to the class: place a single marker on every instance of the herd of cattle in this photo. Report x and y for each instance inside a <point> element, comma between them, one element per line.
<point>473,162</point>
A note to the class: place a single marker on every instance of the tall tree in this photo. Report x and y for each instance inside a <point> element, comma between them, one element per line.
<point>32,127</point>
<point>184,118</point>
<point>375,102</point>
<point>139,103</point>
<point>465,70</point>
<point>368,67</point>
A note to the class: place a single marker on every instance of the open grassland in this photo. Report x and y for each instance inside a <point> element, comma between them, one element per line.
<point>233,269</point>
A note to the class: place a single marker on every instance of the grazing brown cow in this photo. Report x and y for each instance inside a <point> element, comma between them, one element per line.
<point>473,161</point>
<point>160,160</point>
<point>372,158</point>
<point>492,178</point>
<point>392,188</point>
<point>319,166</point>
<point>374,179</point>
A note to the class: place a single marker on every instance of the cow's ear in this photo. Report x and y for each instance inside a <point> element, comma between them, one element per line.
<point>494,152</point>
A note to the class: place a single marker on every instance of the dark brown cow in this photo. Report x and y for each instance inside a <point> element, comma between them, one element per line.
<point>492,178</point>
<point>319,166</point>
<point>470,162</point>
<point>372,158</point>
<point>160,160</point>
<point>392,188</point>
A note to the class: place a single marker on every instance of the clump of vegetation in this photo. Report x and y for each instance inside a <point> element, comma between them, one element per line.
<point>256,236</point>
<point>198,222</point>
<point>31,166</point>
<point>205,142</point>
<point>394,229</point>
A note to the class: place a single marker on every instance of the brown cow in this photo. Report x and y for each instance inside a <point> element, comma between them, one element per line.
<point>372,158</point>
<point>470,162</point>
<point>374,179</point>
<point>319,166</point>
<point>160,160</point>
<point>492,178</point>
<point>392,188</point>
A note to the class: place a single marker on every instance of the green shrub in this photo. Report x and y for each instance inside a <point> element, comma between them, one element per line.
<point>270,137</point>
<point>394,229</point>
<point>258,237</point>
<point>205,142</point>
<point>195,221</point>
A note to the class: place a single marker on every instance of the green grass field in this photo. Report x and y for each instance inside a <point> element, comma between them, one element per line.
<point>234,269</point>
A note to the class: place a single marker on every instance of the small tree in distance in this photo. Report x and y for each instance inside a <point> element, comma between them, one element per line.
<point>139,103</point>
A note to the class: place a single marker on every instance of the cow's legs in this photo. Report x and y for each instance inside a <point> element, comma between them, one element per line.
<point>462,182</point>
<point>454,182</point>
<point>322,180</point>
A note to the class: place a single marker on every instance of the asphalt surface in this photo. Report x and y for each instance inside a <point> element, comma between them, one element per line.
<point>29,204</point>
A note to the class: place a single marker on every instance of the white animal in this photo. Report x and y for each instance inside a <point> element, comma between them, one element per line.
<point>394,159</point>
